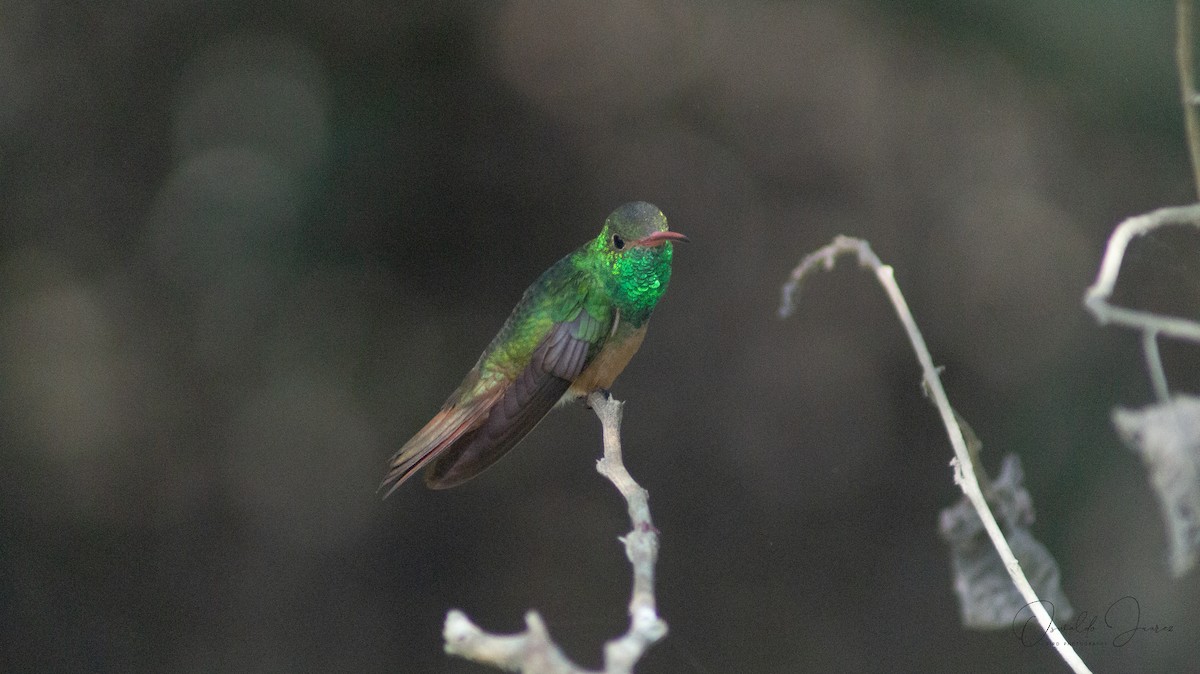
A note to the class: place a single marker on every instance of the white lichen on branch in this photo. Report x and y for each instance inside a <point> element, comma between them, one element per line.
<point>1167,437</point>
<point>964,468</point>
<point>1167,434</point>
<point>987,598</point>
<point>533,651</point>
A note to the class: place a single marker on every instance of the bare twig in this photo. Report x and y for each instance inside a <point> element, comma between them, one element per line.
<point>532,651</point>
<point>1158,376</point>
<point>964,473</point>
<point>1096,299</point>
<point>641,545</point>
<point>1151,325</point>
<point>1186,65</point>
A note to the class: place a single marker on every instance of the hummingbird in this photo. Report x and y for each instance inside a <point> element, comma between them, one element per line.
<point>573,331</point>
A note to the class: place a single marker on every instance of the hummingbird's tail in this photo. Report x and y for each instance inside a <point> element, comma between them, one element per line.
<point>442,431</point>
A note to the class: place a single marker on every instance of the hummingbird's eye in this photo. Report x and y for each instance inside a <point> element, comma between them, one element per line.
<point>618,242</point>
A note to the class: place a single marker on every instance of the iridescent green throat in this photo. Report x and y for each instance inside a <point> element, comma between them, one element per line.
<point>635,278</point>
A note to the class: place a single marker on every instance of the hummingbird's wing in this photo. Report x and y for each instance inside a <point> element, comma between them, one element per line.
<point>472,432</point>
<point>556,362</point>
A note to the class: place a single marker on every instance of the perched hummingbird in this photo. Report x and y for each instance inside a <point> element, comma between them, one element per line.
<point>572,333</point>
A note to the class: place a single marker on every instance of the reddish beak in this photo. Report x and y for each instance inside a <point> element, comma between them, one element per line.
<point>659,238</point>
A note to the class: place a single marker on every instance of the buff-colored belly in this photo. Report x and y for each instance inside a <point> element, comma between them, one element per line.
<point>609,363</point>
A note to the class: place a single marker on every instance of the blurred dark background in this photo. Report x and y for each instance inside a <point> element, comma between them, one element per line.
<point>247,249</point>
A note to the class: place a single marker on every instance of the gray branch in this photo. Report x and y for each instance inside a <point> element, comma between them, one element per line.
<point>1152,325</point>
<point>965,474</point>
<point>533,651</point>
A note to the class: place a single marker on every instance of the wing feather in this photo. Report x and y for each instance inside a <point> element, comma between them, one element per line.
<point>555,363</point>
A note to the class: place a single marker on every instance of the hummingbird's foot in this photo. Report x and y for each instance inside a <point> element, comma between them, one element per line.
<point>587,399</point>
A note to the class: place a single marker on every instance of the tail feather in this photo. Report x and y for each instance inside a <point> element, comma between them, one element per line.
<point>523,406</point>
<point>442,431</point>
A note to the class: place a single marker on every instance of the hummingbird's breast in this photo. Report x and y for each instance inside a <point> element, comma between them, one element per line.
<point>618,349</point>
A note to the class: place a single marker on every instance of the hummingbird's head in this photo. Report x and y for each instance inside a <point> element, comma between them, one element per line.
<point>635,250</point>
<point>637,225</point>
